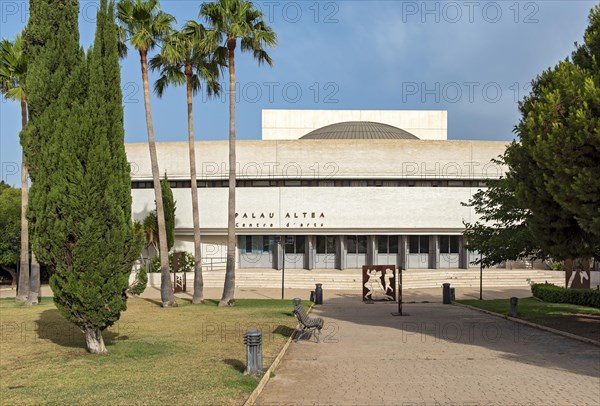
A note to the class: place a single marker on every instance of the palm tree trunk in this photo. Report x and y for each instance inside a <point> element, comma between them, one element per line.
<point>166,288</point>
<point>229,288</point>
<point>34,282</point>
<point>198,297</point>
<point>23,288</point>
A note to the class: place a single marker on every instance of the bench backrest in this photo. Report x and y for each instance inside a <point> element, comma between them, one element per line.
<point>301,315</point>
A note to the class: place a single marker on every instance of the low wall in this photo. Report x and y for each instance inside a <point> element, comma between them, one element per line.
<point>351,279</point>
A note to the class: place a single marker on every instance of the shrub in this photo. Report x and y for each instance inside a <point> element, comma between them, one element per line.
<point>556,294</point>
<point>188,263</point>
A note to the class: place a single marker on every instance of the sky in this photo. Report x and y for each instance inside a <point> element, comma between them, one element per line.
<point>474,59</point>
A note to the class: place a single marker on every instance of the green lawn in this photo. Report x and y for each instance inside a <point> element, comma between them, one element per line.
<point>185,355</point>
<point>531,308</point>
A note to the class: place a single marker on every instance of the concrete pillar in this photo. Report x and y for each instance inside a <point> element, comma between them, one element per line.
<point>402,248</point>
<point>434,252</point>
<point>278,253</point>
<point>311,251</point>
<point>371,250</point>
<point>341,251</point>
<point>463,254</point>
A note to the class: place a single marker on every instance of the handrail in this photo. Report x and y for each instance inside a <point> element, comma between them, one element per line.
<point>213,261</point>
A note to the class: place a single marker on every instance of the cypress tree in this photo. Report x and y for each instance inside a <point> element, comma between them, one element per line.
<point>82,206</point>
<point>169,208</point>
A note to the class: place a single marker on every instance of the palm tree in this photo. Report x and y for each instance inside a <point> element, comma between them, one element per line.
<point>146,25</point>
<point>229,20</point>
<point>187,58</point>
<point>13,70</point>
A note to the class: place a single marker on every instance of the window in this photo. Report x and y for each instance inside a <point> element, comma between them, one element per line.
<point>248,244</point>
<point>268,241</point>
<point>449,244</point>
<point>294,244</point>
<point>325,244</point>
<point>418,244</point>
<point>387,244</point>
<point>357,244</point>
<point>256,244</point>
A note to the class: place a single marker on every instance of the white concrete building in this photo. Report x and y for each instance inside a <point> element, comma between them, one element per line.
<point>343,189</point>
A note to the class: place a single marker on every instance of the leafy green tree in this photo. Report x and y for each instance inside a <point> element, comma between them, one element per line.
<point>81,189</point>
<point>146,25</point>
<point>227,21</point>
<point>10,224</point>
<point>549,202</point>
<point>502,232</point>
<point>187,58</point>
<point>13,72</point>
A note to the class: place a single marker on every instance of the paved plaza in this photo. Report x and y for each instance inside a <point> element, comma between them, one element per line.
<point>436,355</point>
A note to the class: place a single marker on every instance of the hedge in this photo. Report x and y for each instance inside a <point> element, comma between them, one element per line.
<point>556,294</point>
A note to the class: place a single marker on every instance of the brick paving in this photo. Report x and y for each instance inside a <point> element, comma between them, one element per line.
<point>437,355</point>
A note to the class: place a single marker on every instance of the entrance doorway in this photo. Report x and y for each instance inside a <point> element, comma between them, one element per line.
<point>326,256</point>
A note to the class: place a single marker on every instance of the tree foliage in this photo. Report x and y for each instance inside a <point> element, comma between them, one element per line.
<point>81,188</point>
<point>169,207</point>
<point>150,223</point>
<point>10,224</point>
<point>549,202</point>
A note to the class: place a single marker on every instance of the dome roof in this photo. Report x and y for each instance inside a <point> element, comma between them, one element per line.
<point>359,130</point>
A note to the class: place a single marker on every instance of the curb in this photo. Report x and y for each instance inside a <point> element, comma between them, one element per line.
<point>267,376</point>
<point>535,325</point>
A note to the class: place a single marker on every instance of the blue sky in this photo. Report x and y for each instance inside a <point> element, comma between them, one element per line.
<point>474,59</point>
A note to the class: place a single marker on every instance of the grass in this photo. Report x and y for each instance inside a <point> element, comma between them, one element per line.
<point>531,308</point>
<point>185,355</point>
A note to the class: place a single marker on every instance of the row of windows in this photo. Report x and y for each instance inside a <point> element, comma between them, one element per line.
<point>355,244</point>
<point>182,184</point>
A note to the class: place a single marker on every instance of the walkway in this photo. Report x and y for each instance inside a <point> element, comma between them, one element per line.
<point>437,355</point>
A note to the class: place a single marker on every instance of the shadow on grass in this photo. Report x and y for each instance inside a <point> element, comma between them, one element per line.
<point>52,326</point>
<point>284,331</point>
<point>236,364</point>
<point>153,301</point>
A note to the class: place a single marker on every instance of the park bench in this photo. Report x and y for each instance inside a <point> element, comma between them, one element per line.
<point>308,325</point>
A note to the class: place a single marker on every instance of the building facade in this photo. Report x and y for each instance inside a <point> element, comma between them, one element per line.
<point>338,189</point>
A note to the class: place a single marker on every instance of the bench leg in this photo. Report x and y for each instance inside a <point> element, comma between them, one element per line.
<point>301,333</point>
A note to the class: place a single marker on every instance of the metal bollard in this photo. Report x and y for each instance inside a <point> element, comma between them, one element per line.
<point>296,301</point>
<point>514,301</point>
<point>319,294</point>
<point>453,294</point>
<point>446,293</point>
<point>253,341</point>
<point>312,296</point>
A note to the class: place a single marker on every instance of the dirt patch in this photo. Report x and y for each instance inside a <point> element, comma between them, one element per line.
<point>584,325</point>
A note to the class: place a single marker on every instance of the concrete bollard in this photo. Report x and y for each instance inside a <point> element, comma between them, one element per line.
<point>514,301</point>
<point>452,294</point>
<point>253,341</point>
<point>446,299</point>
<point>319,294</point>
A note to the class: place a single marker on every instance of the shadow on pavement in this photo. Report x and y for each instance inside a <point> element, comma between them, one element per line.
<point>428,325</point>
